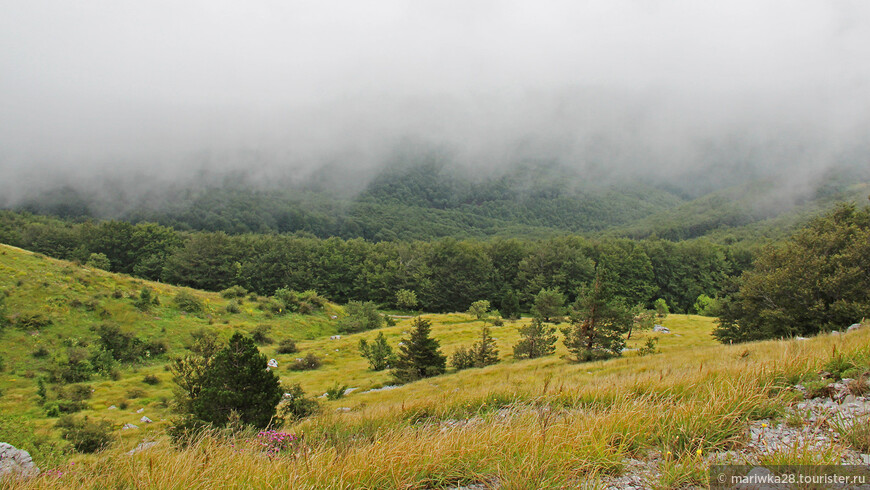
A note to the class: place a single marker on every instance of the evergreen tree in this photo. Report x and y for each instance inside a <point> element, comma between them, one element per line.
<point>480,354</point>
<point>379,353</point>
<point>237,381</point>
<point>598,324</point>
<point>538,340</point>
<point>510,305</point>
<point>419,355</point>
<point>485,351</point>
<point>549,303</point>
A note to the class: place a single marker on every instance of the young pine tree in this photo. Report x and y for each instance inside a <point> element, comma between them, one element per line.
<point>480,354</point>
<point>237,381</point>
<point>598,324</point>
<point>538,340</point>
<point>379,353</point>
<point>419,355</point>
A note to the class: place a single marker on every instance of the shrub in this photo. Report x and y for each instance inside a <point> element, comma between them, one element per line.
<point>336,391</point>
<point>296,405</point>
<point>156,347</point>
<point>234,292</point>
<point>360,316</point>
<point>40,352</point>
<point>306,363</point>
<point>261,334</point>
<point>145,299</point>
<point>233,307</point>
<point>100,261</point>
<point>315,300</point>
<point>188,302</point>
<point>151,379</point>
<point>287,300</point>
<point>56,408</point>
<point>463,358</point>
<point>31,321</point>
<point>649,347</point>
<point>482,353</point>
<point>123,346</point>
<point>537,340</point>
<point>134,393</point>
<point>661,307</point>
<point>287,346</point>
<point>378,353</point>
<point>86,435</point>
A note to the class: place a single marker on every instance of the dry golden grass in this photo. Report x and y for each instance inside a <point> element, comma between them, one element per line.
<point>531,424</point>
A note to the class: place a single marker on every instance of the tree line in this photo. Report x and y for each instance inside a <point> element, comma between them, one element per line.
<point>445,275</point>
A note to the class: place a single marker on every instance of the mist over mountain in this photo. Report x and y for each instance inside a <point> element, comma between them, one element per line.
<point>601,113</point>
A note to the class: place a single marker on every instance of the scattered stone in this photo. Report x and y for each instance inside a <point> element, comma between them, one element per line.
<point>383,388</point>
<point>349,391</point>
<point>272,363</point>
<point>142,447</point>
<point>14,461</point>
<point>129,426</point>
<point>854,326</point>
<point>342,409</point>
<point>335,337</point>
<point>661,329</point>
<point>800,338</point>
<point>112,408</point>
<point>145,420</point>
<point>334,317</point>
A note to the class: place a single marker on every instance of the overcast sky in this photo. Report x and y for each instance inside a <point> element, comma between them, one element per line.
<point>166,85</point>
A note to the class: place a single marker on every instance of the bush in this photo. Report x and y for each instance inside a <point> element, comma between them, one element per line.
<point>649,347</point>
<point>261,334</point>
<point>537,340</point>
<point>336,391</point>
<point>463,358</point>
<point>296,406</point>
<point>315,300</point>
<point>145,299</point>
<point>189,303</point>
<point>100,261</point>
<point>378,353</point>
<point>40,352</point>
<point>306,363</point>
<point>151,379</point>
<point>233,307</point>
<point>86,435</point>
<point>234,292</point>
<point>123,346</point>
<point>359,317</point>
<point>287,346</point>
<point>31,321</point>
<point>134,393</point>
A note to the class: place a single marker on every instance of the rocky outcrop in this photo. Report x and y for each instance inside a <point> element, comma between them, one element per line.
<point>15,461</point>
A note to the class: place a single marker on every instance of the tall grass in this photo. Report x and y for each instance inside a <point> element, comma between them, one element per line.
<point>545,427</point>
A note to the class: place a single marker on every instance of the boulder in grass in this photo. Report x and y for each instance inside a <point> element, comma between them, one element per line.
<point>661,329</point>
<point>145,420</point>
<point>854,326</point>
<point>17,462</point>
<point>272,363</point>
<point>129,426</point>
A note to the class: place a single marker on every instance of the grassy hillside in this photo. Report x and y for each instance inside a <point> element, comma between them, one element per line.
<point>540,423</point>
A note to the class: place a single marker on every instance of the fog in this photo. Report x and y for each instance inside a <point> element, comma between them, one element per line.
<point>150,93</point>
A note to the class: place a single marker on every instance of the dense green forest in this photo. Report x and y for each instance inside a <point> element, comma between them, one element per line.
<point>446,274</point>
